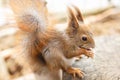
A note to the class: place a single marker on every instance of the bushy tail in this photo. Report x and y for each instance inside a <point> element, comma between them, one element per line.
<point>31,15</point>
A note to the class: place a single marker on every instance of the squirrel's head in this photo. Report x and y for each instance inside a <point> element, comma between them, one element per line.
<point>78,32</point>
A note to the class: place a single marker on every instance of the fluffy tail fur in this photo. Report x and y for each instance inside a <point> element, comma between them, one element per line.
<point>31,17</point>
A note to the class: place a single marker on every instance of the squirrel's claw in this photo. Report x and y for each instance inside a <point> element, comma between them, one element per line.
<point>75,71</point>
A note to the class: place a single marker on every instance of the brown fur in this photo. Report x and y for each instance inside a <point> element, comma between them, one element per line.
<point>49,48</point>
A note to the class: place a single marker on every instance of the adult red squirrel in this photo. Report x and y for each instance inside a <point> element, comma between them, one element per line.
<point>49,48</point>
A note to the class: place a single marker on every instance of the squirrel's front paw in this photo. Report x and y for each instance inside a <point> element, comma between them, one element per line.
<point>75,71</point>
<point>89,54</point>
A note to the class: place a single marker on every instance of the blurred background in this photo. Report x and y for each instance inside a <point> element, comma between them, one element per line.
<point>103,17</point>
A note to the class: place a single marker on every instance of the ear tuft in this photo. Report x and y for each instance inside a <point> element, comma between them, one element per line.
<point>78,15</point>
<point>71,15</point>
<point>72,19</point>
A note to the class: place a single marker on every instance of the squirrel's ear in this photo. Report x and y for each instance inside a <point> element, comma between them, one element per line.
<point>78,14</point>
<point>72,21</point>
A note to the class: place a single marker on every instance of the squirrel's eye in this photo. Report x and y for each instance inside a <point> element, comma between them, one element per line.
<point>84,38</point>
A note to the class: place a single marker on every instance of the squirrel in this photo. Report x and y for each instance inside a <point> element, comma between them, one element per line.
<point>50,49</point>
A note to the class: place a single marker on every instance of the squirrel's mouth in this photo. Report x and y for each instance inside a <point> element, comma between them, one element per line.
<point>89,49</point>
